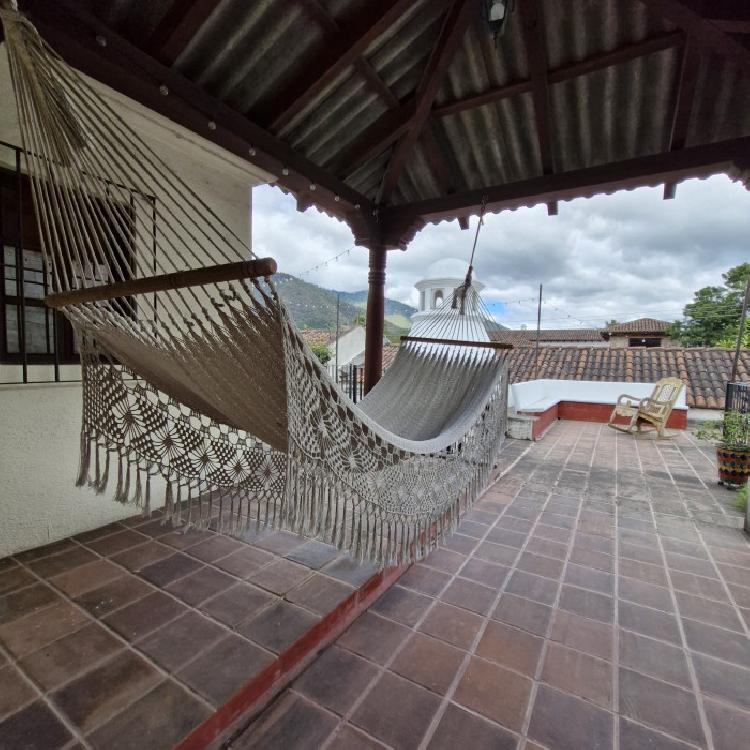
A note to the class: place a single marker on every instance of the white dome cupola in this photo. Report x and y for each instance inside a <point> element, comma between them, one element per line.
<point>443,276</point>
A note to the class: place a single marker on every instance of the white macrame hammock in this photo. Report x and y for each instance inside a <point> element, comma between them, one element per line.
<point>207,387</point>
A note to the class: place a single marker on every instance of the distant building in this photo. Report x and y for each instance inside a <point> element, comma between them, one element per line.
<point>641,332</point>
<point>566,337</point>
<point>443,276</point>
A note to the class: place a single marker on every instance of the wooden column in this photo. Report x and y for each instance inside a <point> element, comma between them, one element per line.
<point>375,317</point>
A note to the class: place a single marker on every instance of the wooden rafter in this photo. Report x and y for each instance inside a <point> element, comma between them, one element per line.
<point>532,29</point>
<point>684,103</point>
<point>695,161</point>
<point>452,31</point>
<point>340,52</point>
<point>72,32</point>
<point>705,32</point>
<point>391,125</point>
<point>180,24</point>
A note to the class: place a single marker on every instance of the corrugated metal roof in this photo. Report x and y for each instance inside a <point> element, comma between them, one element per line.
<point>247,53</point>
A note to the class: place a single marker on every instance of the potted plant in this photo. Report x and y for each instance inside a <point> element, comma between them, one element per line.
<point>732,438</point>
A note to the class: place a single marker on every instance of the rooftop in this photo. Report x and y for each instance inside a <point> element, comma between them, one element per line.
<point>641,325</point>
<point>600,586</point>
<point>528,337</point>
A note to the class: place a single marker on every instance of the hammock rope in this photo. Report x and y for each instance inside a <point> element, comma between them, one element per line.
<point>203,385</point>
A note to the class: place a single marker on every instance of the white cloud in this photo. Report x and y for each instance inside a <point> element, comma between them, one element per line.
<point>622,256</point>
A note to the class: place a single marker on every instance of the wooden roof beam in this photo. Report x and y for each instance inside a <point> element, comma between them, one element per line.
<point>532,28</point>
<point>340,52</point>
<point>695,161</point>
<point>705,32</point>
<point>180,24</point>
<point>689,69</point>
<point>451,33</point>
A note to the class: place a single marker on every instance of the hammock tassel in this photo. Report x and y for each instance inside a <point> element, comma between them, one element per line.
<point>85,460</point>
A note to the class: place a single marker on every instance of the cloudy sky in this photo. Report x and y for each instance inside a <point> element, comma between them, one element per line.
<point>622,256</point>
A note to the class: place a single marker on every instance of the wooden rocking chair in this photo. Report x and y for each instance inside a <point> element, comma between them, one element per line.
<point>653,410</point>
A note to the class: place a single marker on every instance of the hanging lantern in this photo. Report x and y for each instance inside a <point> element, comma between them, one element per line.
<point>496,13</point>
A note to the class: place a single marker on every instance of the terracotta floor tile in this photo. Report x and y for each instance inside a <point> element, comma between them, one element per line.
<point>523,613</point>
<point>397,712</point>
<point>446,560</point>
<point>536,588</point>
<point>645,594</point>
<point>214,548</point>
<point>98,533</point>
<point>137,558</point>
<point>486,573</point>
<point>741,594</point>
<point>730,573</point>
<point>319,594</point>
<point>349,738</point>
<point>280,576</point>
<point>709,588</point>
<point>469,595</point>
<point>428,662</point>
<point>155,527</point>
<point>659,705</point>
<point>402,605</point>
<point>97,695</point>
<point>470,528</point>
<point>245,562</point>
<point>26,601</point>
<point>278,626</point>
<point>564,722</point>
<point>589,578</point>
<point>585,635</point>
<point>34,727</point>
<point>424,580</point>
<point>636,737</point>
<point>281,542</point>
<point>553,533</point>
<point>587,603</point>
<point>591,558</point>
<point>494,692</point>
<point>159,719</point>
<point>67,657</point>
<point>654,658</point>
<point>732,647</point>
<point>727,681</point>
<point>34,631</point>
<point>515,524</point>
<point>650,622</point>
<point>16,692</point>
<point>496,553</point>
<point>686,564</point>
<point>350,571</point>
<point>507,537</point>
<point>459,728</point>
<point>460,543</point>
<point>651,554</point>
<point>290,722</point>
<point>579,674</point>
<point>336,679</point>
<point>224,668</point>
<point>181,640</point>
<point>540,546</point>
<point>114,543</point>
<point>201,585</point>
<point>86,577</point>
<point>451,624</point>
<point>236,604</point>
<point>510,647</point>
<point>183,539</point>
<point>645,572</point>
<point>170,569</point>
<point>374,637</point>
<point>597,544</point>
<point>15,578</point>
<point>55,564</point>
<point>729,728</point>
<point>113,595</point>
<point>140,618</point>
<point>48,549</point>
<point>313,554</point>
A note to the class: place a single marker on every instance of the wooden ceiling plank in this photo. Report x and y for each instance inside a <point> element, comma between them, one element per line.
<point>706,33</point>
<point>452,32</point>
<point>180,24</point>
<point>694,161</point>
<point>350,44</point>
<point>686,86</point>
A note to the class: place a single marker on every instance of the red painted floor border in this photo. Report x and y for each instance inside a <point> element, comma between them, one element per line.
<point>263,686</point>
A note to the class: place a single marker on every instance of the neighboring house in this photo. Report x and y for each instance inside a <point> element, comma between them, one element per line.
<point>591,337</point>
<point>647,332</point>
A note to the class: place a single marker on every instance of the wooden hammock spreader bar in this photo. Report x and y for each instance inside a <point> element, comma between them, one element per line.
<point>457,342</point>
<point>246,269</point>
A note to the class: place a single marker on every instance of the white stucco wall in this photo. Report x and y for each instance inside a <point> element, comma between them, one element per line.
<point>39,440</point>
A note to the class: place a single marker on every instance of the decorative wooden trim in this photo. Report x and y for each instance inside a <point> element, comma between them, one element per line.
<point>248,269</point>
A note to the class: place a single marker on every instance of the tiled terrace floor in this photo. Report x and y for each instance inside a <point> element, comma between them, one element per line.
<point>131,635</point>
<point>598,597</point>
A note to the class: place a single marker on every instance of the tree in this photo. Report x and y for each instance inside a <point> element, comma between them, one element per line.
<point>321,352</point>
<point>714,314</point>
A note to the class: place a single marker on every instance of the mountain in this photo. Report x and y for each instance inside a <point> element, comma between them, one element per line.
<point>312,306</point>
